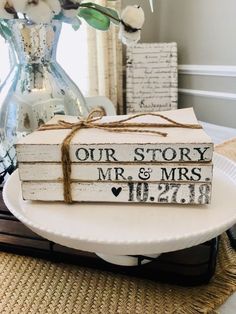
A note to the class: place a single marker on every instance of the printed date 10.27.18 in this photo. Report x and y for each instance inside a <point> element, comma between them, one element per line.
<point>169,193</point>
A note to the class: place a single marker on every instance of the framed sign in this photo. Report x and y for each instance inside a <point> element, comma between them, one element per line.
<point>151,77</point>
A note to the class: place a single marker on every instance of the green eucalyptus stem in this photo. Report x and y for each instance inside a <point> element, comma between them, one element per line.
<point>83,5</point>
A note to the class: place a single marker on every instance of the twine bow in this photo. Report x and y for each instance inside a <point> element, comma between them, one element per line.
<point>120,126</point>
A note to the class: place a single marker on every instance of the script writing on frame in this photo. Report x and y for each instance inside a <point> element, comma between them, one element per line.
<point>151,77</point>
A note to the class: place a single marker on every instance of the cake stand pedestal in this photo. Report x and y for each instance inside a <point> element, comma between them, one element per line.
<point>130,229</point>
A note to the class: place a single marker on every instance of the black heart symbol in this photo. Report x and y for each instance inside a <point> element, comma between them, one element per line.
<point>116,191</point>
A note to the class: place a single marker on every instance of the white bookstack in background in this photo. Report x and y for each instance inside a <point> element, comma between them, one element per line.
<point>121,167</point>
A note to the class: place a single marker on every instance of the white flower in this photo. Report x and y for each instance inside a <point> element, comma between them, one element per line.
<point>54,5</point>
<point>71,13</point>
<point>132,20</point>
<point>133,16</point>
<point>19,5</point>
<point>39,11</point>
<point>128,38</point>
<point>5,6</point>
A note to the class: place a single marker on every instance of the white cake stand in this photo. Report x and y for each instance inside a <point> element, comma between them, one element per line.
<point>125,229</point>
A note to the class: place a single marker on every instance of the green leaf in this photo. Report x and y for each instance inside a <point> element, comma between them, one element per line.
<point>76,23</point>
<point>94,18</point>
<point>111,13</point>
<point>59,16</point>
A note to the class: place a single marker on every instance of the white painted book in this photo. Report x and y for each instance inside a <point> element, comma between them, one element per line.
<point>122,192</point>
<point>181,145</point>
<point>122,172</point>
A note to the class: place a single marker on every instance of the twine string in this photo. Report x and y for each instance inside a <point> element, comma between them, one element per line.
<point>121,126</point>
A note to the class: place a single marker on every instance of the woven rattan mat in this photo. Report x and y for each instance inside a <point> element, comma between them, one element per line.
<point>30,285</point>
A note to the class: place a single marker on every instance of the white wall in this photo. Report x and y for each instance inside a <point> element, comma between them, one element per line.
<point>205,31</point>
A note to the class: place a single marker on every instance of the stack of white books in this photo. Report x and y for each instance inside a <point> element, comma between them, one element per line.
<point>121,167</point>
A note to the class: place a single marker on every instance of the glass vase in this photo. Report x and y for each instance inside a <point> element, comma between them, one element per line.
<point>36,89</point>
